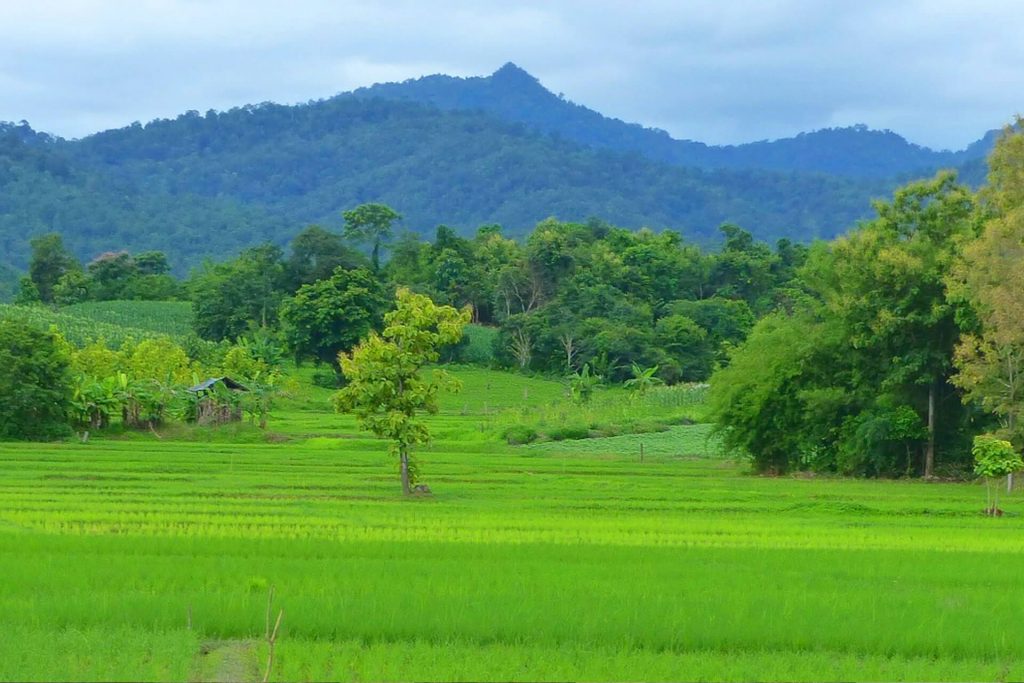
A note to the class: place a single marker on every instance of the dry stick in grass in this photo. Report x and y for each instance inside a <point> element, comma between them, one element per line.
<point>271,639</point>
<point>270,605</point>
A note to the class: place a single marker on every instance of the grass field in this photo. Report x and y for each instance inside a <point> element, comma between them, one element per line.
<point>146,558</point>
<point>112,321</point>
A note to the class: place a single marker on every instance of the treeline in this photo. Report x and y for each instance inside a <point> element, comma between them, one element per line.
<point>906,340</point>
<point>57,277</point>
<point>568,297</point>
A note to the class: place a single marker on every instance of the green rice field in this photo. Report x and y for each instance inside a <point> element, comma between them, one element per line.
<point>146,558</point>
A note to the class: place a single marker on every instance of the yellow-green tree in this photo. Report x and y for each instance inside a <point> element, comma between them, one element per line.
<point>386,390</point>
<point>989,277</point>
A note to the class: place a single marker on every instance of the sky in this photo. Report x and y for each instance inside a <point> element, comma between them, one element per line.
<point>938,72</point>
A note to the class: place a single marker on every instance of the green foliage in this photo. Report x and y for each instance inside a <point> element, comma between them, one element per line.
<point>314,255</point>
<point>50,262</point>
<point>28,293</point>
<point>829,385</point>
<point>581,385</point>
<point>644,379</point>
<point>206,185</point>
<point>35,385</point>
<point>516,435</point>
<point>994,457</point>
<point>758,402</point>
<point>371,223</point>
<point>330,316</point>
<point>232,298</point>
<point>385,390</point>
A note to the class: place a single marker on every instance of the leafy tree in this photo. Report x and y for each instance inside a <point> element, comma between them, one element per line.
<point>229,299</point>
<point>744,269</point>
<point>315,254</point>
<point>50,261</point>
<point>110,275</point>
<point>371,223</point>
<point>777,401</point>
<point>28,293</point>
<point>94,401</point>
<point>73,287</point>
<point>386,390</point>
<point>990,280</point>
<point>994,458</point>
<point>887,284</point>
<point>35,385</point>
<point>332,315</point>
<point>687,352</point>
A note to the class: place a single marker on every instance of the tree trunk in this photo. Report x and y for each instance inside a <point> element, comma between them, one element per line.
<point>404,455</point>
<point>929,454</point>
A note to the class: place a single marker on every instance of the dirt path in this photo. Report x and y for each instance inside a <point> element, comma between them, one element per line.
<point>226,661</point>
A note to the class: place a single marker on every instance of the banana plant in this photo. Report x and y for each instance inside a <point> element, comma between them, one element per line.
<point>644,379</point>
<point>93,401</point>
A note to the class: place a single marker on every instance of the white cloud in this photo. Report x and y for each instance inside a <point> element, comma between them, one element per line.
<point>940,72</point>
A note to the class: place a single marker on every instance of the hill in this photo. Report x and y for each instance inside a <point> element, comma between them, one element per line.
<point>44,188</point>
<point>209,184</point>
<point>511,94</point>
<point>441,150</point>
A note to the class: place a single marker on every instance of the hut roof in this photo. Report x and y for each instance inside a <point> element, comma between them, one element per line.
<point>228,382</point>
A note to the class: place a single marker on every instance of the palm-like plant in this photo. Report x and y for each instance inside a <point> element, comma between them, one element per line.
<point>581,385</point>
<point>644,379</point>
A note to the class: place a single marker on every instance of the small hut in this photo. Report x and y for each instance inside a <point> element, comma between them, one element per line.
<point>218,400</point>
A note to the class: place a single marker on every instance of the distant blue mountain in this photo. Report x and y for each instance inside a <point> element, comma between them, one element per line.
<point>513,95</point>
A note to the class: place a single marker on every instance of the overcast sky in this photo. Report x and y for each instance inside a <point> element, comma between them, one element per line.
<point>939,72</point>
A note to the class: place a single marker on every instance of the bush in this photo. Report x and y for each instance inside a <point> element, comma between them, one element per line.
<point>35,384</point>
<point>328,379</point>
<point>517,435</point>
<point>569,432</point>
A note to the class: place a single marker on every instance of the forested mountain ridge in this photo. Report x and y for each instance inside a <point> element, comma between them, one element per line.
<point>513,95</point>
<point>263,172</point>
<point>437,150</point>
<point>44,188</point>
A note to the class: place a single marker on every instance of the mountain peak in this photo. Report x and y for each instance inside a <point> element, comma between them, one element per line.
<point>513,74</point>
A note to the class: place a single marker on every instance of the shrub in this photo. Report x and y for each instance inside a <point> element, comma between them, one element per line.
<point>517,435</point>
<point>569,432</point>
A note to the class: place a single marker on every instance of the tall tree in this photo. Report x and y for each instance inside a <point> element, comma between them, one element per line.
<point>371,223</point>
<point>50,261</point>
<point>386,390</point>
<point>231,298</point>
<point>331,315</point>
<point>990,359</point>
<point>315,253</point>
<point>886,283</point>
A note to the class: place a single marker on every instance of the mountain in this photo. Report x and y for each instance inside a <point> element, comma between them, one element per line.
<point>309,162</point>
<point>44,188</point>
<point>511,94</point>
<point>439,150</point>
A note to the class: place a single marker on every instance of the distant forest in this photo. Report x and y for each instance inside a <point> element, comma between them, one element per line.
<point>439,150</point>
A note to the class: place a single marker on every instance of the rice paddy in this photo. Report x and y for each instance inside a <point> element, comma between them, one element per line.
<point>146,558</point>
